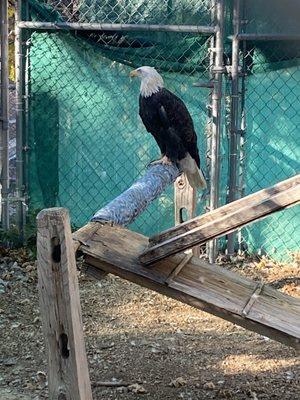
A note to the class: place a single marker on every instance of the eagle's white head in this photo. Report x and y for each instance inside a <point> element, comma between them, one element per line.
<point>151,81</point>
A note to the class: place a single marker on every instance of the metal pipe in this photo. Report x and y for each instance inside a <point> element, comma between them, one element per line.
<point>26,38</point>
<point>218,70</point>
<point>4,116</point>
<point>242,136</point>
<point>209,126</point>
<point>209,113</point>
<point>266,36</point>
<point>19,119</point>
<point>25,144</point>
<point>234,115</point>
<point>88,26</point>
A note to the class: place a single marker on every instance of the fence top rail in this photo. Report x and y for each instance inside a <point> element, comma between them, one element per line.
<point>87,26</point>
<point>265,36</point>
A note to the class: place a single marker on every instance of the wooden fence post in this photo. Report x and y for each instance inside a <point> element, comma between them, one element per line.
<point>68,374</point>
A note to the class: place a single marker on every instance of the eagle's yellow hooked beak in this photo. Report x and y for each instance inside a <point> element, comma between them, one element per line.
<point>134,74</point>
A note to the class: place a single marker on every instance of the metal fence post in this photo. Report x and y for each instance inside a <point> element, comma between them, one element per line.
<point>4,116</point>
<point>234,115</point>
<point>19,118</point>
<point>218,70</point>
<point>242,142</point>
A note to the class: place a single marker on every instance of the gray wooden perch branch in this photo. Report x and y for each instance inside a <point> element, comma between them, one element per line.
<point>125,208</point>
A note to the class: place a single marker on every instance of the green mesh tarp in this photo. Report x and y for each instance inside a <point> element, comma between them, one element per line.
<point>273,151</point>
<point>271,16</point>
<point>87,141</point>
<point>273,120</point>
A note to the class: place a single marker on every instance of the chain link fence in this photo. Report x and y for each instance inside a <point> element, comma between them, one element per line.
<point>194,12</point>
<point>83,142</point>
<point>272,140</point>
<point>270,118</point>
<point>93,144</point>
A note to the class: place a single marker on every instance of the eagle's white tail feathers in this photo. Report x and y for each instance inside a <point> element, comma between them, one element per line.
<point>196,180</point>
<point>193,173</point>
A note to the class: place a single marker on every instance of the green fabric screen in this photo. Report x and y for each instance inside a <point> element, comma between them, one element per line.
<point>90,141</point>
<point>273,150</point>
<point>87,141</point>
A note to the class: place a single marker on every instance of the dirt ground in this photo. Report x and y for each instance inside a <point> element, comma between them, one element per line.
<point>158,348</point>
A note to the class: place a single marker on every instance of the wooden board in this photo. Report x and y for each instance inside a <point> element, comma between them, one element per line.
<point>225,210</point>
<point>202,285</point>
<point>220,222</point>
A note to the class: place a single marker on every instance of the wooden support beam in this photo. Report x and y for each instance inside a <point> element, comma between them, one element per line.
<point>195,282</point>
<point>178,268</point>
<point>68,374</point>
<point>185,203</point>
<point>224,220</point>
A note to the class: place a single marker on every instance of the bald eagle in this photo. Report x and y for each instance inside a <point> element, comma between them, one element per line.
<point>166,117</point>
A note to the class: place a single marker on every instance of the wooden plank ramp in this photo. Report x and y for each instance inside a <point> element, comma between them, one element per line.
<point>211,288</point>
<point>223,220</point>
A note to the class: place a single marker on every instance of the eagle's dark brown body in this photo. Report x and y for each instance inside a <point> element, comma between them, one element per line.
<point>166,117</point>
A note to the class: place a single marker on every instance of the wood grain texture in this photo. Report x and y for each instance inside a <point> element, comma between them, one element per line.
<point>68,375</point>
<point>252,210</point>
<point>179,267</point>
<point>208,287</point>
<point>253,298</point>
<point>185,199</point>
<point>83,235</point>
<point>224,210</point>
